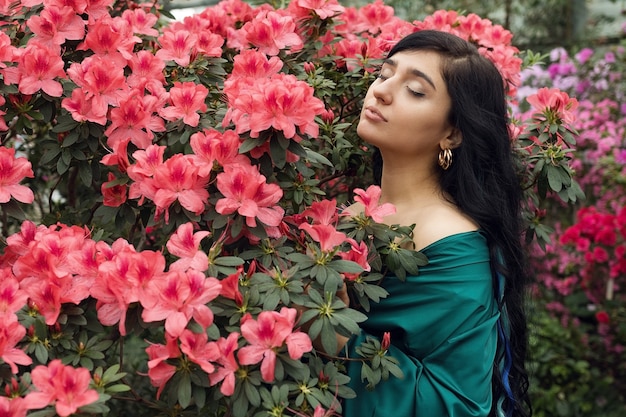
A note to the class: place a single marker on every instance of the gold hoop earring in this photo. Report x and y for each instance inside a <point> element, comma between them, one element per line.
<point>445,158</point>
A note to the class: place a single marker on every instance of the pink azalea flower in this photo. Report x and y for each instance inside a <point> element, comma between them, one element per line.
<point>3,123</point>
<point>110,38</point>
<point>178,297</point>
<point>123,279</point>
<point>12,171</point>
<point>82,110</point>
<point>270,32</point>
<point>199,350</point>
<point>212,146</point>
<point>113,195</point>
<point>246,192</point>
<point>38,66</point>
<point>54,25</point>
<point>376,14</point>
<point>11,333</point>
<point>186,245</point>
<point>12,297</point>
<point>130,120</point>
<point>269,333</point>
<point>141,22</point>
<point>230,287</point>
<point>141,172</point>
<point>226,372</point>
<point>176,45</point>
<point>178,180</point>
<point>555,101</point>
<point>146,68</point>
<point>325,234</point>
<point>358,253</point>
<point>64,386</point>
<point>323,212</point>
<point>324,9</point>
<point>281,102</point>
<point>186,100</point>
<point>159,370</point>
<point>370,199</point>
<point>209,44</point>
<point>13,407</point>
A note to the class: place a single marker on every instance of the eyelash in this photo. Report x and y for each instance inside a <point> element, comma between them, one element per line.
<point>412,92</point>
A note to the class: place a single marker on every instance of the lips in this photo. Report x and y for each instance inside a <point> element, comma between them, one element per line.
<point>372,113</point>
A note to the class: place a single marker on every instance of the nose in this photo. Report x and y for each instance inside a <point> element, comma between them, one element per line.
<point>381,90</point>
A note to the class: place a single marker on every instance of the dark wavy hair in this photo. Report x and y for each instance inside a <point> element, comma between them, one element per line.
<point>484,183</point>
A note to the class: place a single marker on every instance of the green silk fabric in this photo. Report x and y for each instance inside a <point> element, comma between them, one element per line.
<point>443,332</point>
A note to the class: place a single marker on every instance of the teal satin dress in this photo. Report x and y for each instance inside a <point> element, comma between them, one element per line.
<point>443,327</point>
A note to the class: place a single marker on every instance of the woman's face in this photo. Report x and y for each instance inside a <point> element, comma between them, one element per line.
<point>406,108</point>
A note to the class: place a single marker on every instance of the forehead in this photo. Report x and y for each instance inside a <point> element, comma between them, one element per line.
<point>415,62</point>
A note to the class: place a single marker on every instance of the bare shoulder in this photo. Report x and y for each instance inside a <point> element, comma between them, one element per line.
<point>439,222</point>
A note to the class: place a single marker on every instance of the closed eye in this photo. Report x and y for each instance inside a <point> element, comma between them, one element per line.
<point>415,93</point>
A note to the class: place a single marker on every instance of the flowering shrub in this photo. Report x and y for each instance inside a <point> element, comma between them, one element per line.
<point>170,196</point>
<point>581,274</point>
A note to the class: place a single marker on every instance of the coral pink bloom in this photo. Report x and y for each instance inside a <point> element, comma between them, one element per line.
<point>358,253</point>
<point>12,171</point>
<point>159,370</point>
<point>38,66</point>
<point>186,100</point>
<point>226,372</point>
<point>101,79</point>
<point>270,32</point>
<point>327,235</point>
<point>98,9</point>
<point>251,64</point>
<point>111,39</point>
<point>141,22</point>
<point>146,68</point>
<point>82,110</point>
<point>370,199</point>
<point>199,350</point>
<point>146,164</point>
<point>281,102</point>
<point>178,179</point>
<point>11,333</point>
<point>324,9</point>
<point>124,279</point>
<point>186,245</point>
<point>211,146</point>
<point>13,407</point>
<point>130,120</point>
<point>79,6</point>
<point>114,195</point>
<point>230,288</point>
<point>209,44</point>
<point>266,335</point>
<point>3,123</point>
<point>54,25</point>
<point>12,298</point>
<point>176,45</point>
<point>246,192</point>
<point>178,297</point>
<point>65,386</point>
<point>322,212</point>
<point>555,101</point>
<point>376,14</point>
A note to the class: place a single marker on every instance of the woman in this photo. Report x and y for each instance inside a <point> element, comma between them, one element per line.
<point>437,115</point>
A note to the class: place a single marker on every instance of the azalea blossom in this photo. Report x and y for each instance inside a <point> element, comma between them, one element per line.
<point>554,101</point>
<point>225,373</point>
<point>370,199</point>
<point>186,100</point>
<point>324,9</point>
<point>271,32</point>
<point>176,45</point>
<point>178,297</point>
<point>212,146</point>
<point>11,333</point>
<point>230,287</point>
<point>54,25</point>
<point>62,385</point>
<point>325,234</point>
<point>185,244</point>
<point>114,195</point>
<point>358,253</point>
<point>38,68</point>
<point>12,171</point>
<point>322,212</point>
<point>199,350</point>
<point>246,192</point>
<point>159,370</point>
<point>13,407</point>
<point>110,38</point>
<point>141,22</point>
<point>267,334</point>
<point>281,102</point>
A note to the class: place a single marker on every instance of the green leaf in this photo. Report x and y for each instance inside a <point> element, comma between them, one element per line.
<point>184,390</point>
<point>228,261</point>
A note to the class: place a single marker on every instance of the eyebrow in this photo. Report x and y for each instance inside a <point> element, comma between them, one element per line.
<point>414,71</point>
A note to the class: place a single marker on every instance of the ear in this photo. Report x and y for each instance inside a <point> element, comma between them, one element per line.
<point>453,140</point>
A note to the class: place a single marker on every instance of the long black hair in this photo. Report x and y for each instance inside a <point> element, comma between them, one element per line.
<point>484,182</point>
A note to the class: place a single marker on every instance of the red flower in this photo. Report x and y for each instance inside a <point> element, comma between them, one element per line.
<point>114,194</point>
<point>603,317</point>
